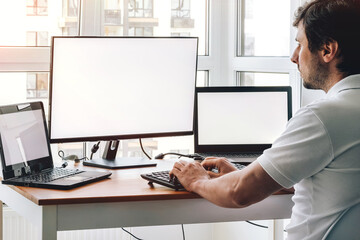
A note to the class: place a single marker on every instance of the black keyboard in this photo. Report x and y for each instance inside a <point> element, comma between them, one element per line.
<point>163,177</point>
<point>50,175</point>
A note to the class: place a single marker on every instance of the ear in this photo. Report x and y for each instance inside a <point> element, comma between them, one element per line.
<point>330,51</point>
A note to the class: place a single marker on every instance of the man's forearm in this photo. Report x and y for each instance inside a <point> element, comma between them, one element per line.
<point>239,188</point>
<point>220,191</point>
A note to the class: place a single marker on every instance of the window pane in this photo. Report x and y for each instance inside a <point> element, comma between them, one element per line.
<point>154,18</point>
<point>22,87</point>
<point>72,8</point>
<point>263,79</point>
<point>264,27</point>
<point>202,79</point>
<point>29,23</point>
<point>37,85</point>
<point>30,38</point>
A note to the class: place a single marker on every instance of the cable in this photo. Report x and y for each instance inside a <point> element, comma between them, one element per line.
<point>70,157</point>
<point>183,231</point>
<point>194,156</point>
<point>131,234</point>
<point>258,225</point>
<point>143,149</point>
<point>94,149</point>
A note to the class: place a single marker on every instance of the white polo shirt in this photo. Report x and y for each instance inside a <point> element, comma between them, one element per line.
<point>319,154</point>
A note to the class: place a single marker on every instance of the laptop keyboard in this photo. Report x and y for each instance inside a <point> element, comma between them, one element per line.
<point>51,175</point>
<point>163,177</point>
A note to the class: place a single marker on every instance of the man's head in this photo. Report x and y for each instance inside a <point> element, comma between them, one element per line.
<point>329,41</point>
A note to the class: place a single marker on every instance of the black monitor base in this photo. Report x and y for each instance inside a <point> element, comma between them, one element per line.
<point>124,162</point>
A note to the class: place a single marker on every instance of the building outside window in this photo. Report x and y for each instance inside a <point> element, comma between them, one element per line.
<point>180,34</point>
<point>37,85</point>
<point>140,8</point>
<point>36,7</point>
<point>180,8</point>
<point>72,8</point>
<point>140,31</point>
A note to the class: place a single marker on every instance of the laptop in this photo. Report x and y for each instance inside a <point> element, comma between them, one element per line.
<point>26,155</point>
<point>239,123</point>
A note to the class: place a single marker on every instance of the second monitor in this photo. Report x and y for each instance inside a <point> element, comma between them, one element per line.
<point>111,88</point>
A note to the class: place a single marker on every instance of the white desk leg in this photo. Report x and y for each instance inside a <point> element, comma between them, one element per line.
<point>276,229</point>
<point>1,220</point>
<point>48,229</point>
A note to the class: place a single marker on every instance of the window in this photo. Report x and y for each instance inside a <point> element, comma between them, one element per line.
<point>235,45</point>
<point>37,38</point>
<point>37,85</point>
<point>141,8</point>
<point>265,28</point>
<point>264,42</point>
<point>36,7</point>
<point>180,34</point>
<point>180,8</point>
<point>155,18</point>
<point>112,17</point>
<point>18,29</point>
<point>72,8</point>
<point>262,79</point>
<point>69,20</point>
<point>140,31</point>
<point>202,79</point>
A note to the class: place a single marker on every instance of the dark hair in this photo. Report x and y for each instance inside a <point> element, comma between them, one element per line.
<point>326,21</point>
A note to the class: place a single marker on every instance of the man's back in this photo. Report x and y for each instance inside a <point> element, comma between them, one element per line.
<point>322,159</point>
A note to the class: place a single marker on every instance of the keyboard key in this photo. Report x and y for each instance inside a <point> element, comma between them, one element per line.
<point>51,175</point>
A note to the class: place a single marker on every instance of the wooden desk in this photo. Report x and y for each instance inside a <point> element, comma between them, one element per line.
<point>127,200</point>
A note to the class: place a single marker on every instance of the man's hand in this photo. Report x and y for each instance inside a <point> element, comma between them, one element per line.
<point>232,189</point>
<point>189,174</point>
<point>221,164</point>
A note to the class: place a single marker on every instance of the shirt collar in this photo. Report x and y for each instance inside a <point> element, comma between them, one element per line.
<point>350,82</point>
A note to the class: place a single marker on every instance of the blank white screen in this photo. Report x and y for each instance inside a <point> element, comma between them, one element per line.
<point>122,86</point>
<point>23,136</point>
<point>241,117</point>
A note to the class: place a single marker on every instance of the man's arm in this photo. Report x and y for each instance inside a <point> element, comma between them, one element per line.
<point>235,189</point>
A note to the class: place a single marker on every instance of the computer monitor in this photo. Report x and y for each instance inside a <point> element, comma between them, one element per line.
<point>111,88</point>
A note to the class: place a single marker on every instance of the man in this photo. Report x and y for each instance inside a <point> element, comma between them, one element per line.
<point>319,152</point>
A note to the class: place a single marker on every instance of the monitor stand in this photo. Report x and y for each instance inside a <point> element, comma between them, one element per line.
<point>110,161</point>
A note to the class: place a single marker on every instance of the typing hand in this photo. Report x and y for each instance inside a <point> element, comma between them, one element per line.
<point>189,173</point>
<point>222,165</point>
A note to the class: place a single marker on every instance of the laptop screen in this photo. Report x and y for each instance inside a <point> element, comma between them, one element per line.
<point>240,119</point>
<point>23,137</point>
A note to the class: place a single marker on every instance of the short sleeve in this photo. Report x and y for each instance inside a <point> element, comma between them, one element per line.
<point>301,151</point>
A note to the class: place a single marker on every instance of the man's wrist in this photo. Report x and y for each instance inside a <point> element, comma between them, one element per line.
<point>199,185</point>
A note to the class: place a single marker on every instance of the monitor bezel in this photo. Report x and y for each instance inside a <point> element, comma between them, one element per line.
<point>123,136</point>
<point>236,148</point>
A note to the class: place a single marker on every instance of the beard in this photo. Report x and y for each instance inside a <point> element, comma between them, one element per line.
<point>317,75</point>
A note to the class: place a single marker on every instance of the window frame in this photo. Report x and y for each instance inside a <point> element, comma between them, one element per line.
<point>220,59</point>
